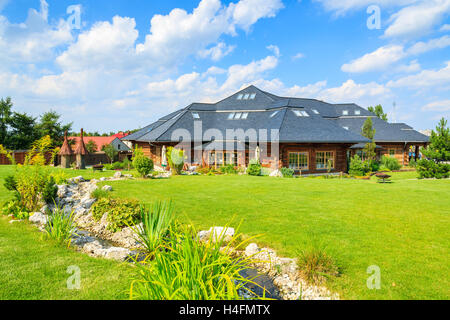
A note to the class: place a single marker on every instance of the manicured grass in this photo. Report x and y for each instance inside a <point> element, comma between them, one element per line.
<point>35,268</point>
<point>401,227</point>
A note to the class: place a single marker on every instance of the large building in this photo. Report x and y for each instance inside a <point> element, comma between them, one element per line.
<point>304,134</point>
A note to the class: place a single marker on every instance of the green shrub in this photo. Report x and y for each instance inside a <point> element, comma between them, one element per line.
<point>413,163</point>
<point>358,167</point>
<point>141,163</point>
<point>117,166</point>
<point>31,180</point>
<point>15,208</point>
<point>287,172</point>
<point>10,183</point>
<point>228,169</point>
<point>254,168</point>
<point>156,224</point>
<point>108,166</point>
<point>60,177</point>
<point>127,164</point>
<point>265,171</point>
<point>99,194</point>
<point>191,270</point>
<point>50,191</point>
<point>60,226</point>
<point>429,169</point>
<point>121,213</point>
<point>175,158</point>
<point>316,265</point>
<point>390,163</point>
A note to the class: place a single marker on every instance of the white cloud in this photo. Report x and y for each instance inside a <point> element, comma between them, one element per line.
<point>172,37</point>
<point>350,91</point>
<point>445,27</point>
<point>380,59</point>
<point>274,49</point>
<point>298,56</point>
<point>340,7</point>
<point>424,79</point>
<point>413,66</point>
<point>217,52</point>
<point>33,40</point>
<point>308,91</point>
<point>245,13</point>
<point>443,105</point>
<point>422,47</point>
<point>418,19</point>
<point>108,45</point>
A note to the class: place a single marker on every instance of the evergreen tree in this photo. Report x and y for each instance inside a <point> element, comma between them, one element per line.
<point>23,131</point>
<point>50,125</point>
<point>379,112</point>
<point>5,115</point>
<point>369,131</point>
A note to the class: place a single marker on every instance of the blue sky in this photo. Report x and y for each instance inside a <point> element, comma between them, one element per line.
<point>134,61</point>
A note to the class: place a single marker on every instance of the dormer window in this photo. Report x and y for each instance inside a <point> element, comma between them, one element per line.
<point>195,115</point>
<point>345,112</point>
<point>239,97</point>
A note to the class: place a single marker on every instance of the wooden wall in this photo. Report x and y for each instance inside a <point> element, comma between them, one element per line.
<point>340,155</point>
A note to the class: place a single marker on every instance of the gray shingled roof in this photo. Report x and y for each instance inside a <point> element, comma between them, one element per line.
<point>325,122</point>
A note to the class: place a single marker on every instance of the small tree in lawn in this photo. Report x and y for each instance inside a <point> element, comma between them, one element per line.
<point>141,163</point>
<point>175,158</point>
<point>437,153</point>
<point>110,151</point>
<point>91,146</point>
<point>369,131</point>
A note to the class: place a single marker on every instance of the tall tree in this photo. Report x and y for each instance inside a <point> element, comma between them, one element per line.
<point>5,115</point>
<point>91,146</point>
<point>369,131</point>
<point>379,112</point>
<point>439,148</point>
<point>50,125</point>
<point>23,131</point>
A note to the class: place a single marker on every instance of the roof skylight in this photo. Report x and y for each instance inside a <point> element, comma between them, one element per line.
<point>246,96</point>
<point>301,113</point>
<point>274,114</point>
<point>231,116</point>
<point>239,97</point>
<point>357,112</point>
<point>253,96</point>
<point>346,128</point>
<point>195,115</point>
<point>244,116</point>
<point>238,116</point>
<point>315,111</point>
<point>345,112</point>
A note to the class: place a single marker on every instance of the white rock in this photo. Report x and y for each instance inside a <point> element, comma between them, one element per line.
<point>252,249</point>
<point>38,218</point>
<point>103,179</point>
<point>276,173</point>
<point>87,204</point>
<point>62,190</point>
<point>15,221</point>
<point>115,253</point>
<point>217,233</point>
<point>78,179</point>
<point>107,188</point>
<point>118,175</point>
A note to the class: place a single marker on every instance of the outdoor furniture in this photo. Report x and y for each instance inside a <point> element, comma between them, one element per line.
<point>383,177</point>
<point>98,167</point>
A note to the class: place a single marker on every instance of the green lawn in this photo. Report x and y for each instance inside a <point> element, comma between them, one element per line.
<point>36,268</point>
<point>402,227</point>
